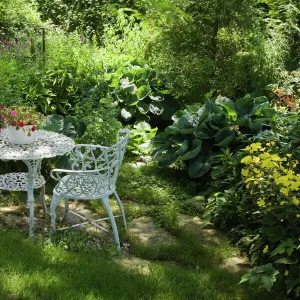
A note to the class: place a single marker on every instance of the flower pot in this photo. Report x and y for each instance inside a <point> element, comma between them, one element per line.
<point>20,136</point>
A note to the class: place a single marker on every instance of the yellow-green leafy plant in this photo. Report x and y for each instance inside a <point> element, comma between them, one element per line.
<point>272,193</point>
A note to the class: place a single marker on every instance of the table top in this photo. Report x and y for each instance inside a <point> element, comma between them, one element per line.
<point>47,144</point>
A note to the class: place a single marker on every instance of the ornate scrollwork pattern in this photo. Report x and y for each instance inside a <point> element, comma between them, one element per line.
<point>94,170</point>
<point>19,181</point>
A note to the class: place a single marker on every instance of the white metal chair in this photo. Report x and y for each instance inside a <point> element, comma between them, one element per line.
<point>93,175</point>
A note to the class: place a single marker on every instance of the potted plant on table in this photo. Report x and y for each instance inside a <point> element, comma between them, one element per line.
<point>20,123</point>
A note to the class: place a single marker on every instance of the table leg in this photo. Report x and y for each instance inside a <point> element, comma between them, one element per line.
<point>33,167</point>
<point>42,191</point>
<point>42,199</point>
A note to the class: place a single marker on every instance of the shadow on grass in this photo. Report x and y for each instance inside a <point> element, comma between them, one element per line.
<point>195,269</point>
<point>31,271</point>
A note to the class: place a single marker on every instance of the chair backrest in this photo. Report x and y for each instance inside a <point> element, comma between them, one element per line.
<point>107,160</point>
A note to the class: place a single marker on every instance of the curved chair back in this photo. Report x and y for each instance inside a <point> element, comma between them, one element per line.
<point>105,161</point>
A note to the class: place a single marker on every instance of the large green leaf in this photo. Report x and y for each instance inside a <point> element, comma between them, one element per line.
<point>203,112</point>
<point>71,126</point>
<point>217,121</point>
<point>206,125</point>
<point>156,97</point>
<point>143,107</point>
<point>287,246</point>
<point>55,121</point>
<point>156,107</point>
<point>226,141</point>
<point>223,134</point>
<point>177,139</point>
<point>168,158</point>
<point>183,148</point>
<point>243,121</point>
<point>132,100</point>
<point>128,88</point>
<point>265,275</point>
<point>199,166</point>
<point>184,121</point>
<point>127,113</point>
<point>228,107</point>
<point>269,113</point>
<point>203,133</point>
<point>257,125</point>
<point>196,148</point>
<point>244,106</point>
<point>143,91</point>
<point>159,150</point>
<point>260,104</point>
<point>161,138</point>
<point>141,127</point>
<point>55,127</point>
<point>172,129</point>
<point>177,115</point>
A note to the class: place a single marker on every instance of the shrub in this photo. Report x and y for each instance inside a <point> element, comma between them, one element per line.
<point>200,133</point>
<point>271,201</point>
<point>14,23</point>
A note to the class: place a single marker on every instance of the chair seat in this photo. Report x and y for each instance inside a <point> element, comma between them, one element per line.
<point>83,187</point>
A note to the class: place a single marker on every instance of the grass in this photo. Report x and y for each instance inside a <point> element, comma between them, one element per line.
<point>41,271</point>
<point>63,267</point>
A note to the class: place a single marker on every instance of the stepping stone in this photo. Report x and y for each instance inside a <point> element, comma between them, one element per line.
<point>147,233</point>
<point>236,264</point>
<point>194,226</point>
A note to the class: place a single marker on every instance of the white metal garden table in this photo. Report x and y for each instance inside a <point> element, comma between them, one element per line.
<point>46,145</point>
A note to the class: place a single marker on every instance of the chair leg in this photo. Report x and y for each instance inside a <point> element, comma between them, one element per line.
<point>105,202</point>
<point>54,202</point>
<point>66,209</point>
<point>121,208</point>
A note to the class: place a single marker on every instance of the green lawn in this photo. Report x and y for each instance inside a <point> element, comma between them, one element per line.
<point>34,271</point>
<point>189,269</point>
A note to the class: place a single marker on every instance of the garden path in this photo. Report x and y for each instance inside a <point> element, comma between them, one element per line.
<point>142,230</point>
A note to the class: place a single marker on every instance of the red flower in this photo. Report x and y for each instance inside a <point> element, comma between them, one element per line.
<point>13,123</point>
<point>33,128</point>
<point>21,124</point>
<point>1,107</point>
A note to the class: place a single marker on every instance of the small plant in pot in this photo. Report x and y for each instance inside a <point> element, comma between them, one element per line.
<point>20,123</point>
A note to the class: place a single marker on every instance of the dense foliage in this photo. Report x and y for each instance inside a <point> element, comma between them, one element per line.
<point>198,134</point>
<point>166,68</point>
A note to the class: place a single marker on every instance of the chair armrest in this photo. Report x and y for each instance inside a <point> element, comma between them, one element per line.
<point>55,173</point>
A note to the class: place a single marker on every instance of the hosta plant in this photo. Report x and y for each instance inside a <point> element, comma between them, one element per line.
<point>134,89</point>
<point>198,134</point>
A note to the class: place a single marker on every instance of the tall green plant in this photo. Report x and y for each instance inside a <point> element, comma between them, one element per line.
<point>232,47</point>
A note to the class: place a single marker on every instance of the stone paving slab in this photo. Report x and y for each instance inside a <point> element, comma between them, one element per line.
<point>147,233</point>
